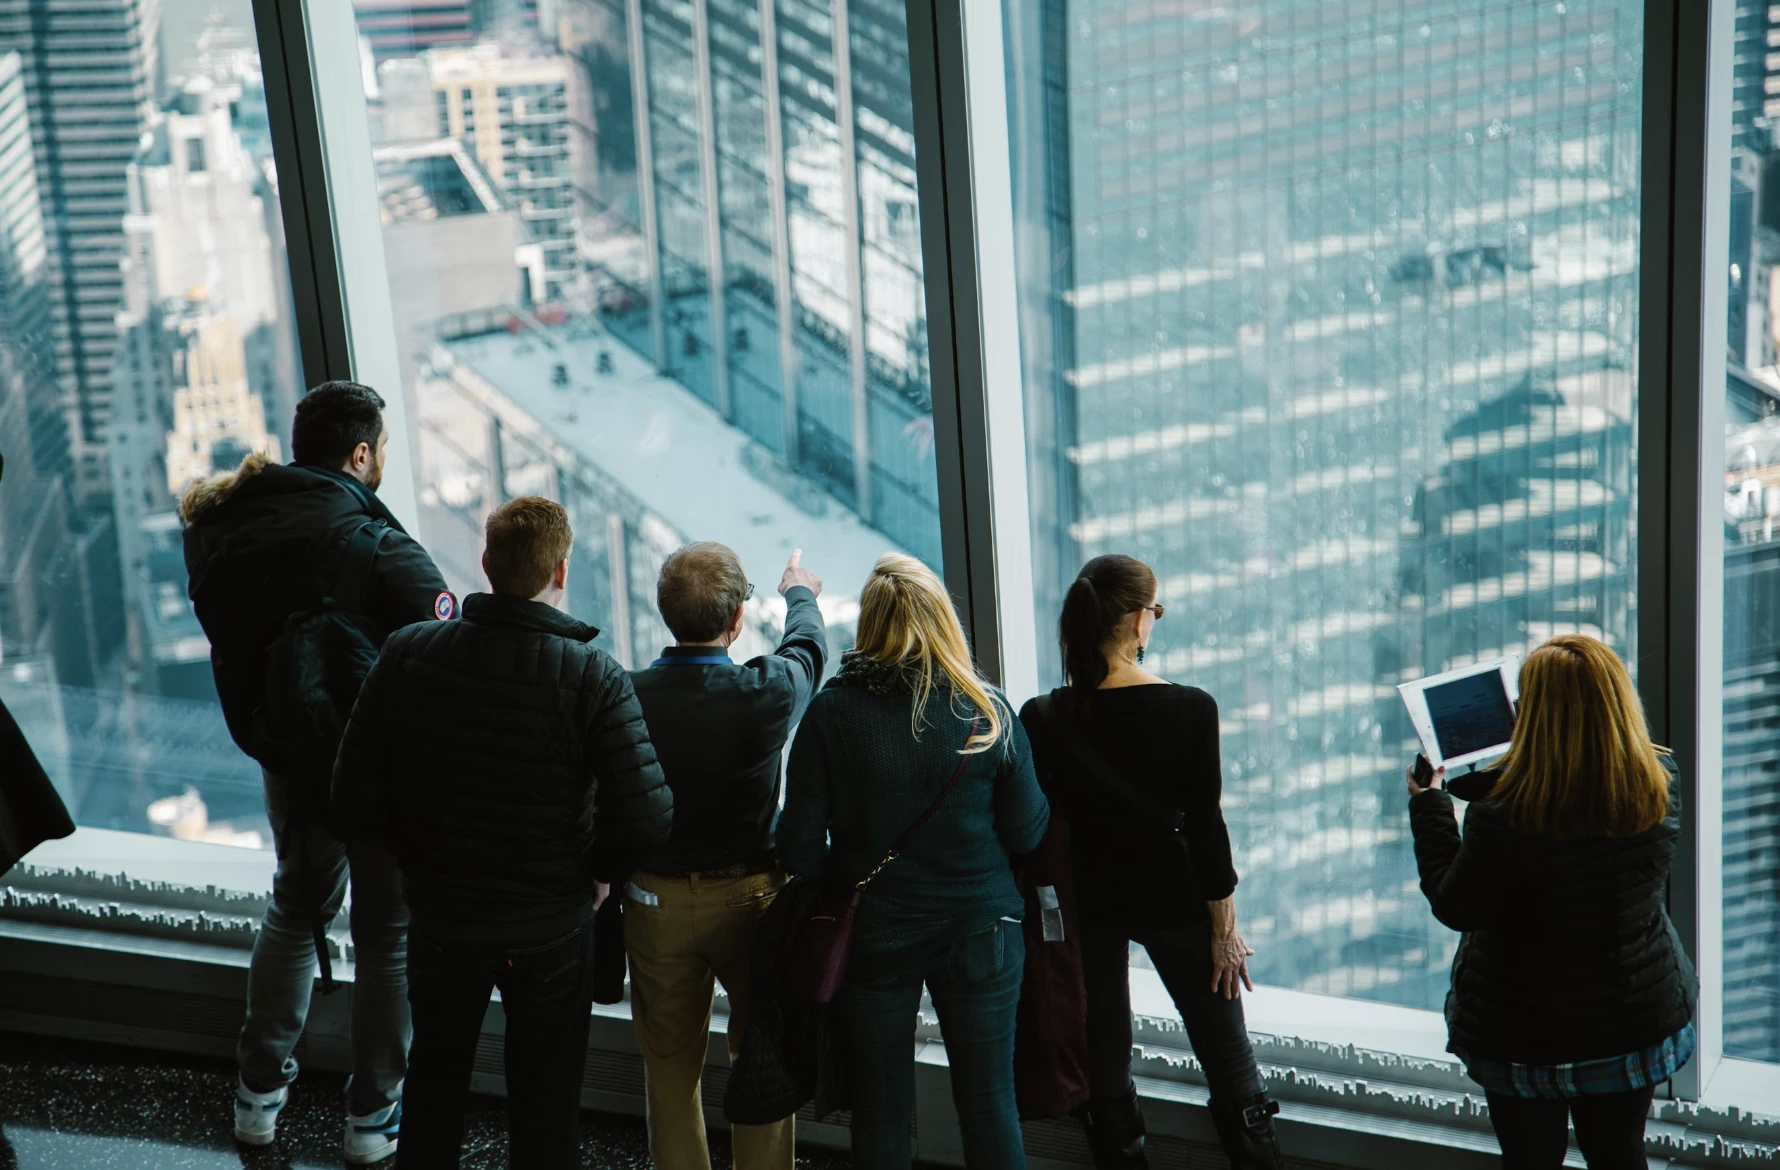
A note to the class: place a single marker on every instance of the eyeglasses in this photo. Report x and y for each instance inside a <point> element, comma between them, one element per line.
<point>1158,609</point>
<point>750,591</point>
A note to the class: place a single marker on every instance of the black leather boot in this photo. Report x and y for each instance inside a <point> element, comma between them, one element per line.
<point>1245,1127</point>
<point>1115,1132</point>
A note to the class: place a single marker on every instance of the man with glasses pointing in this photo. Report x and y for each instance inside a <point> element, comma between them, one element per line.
<point>720,729</point>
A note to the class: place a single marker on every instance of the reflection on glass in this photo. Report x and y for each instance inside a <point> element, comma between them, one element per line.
<point>659,261</point>
<point>145,340</point>
<point>1329,315</point>
<point>1751,799</point>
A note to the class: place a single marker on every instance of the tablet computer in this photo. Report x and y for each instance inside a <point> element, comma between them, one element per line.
<point>1465,716</point>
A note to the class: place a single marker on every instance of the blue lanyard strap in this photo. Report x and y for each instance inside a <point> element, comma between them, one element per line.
<point>694,660</point>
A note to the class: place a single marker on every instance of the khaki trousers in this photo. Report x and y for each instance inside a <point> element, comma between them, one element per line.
<point>698,930</point>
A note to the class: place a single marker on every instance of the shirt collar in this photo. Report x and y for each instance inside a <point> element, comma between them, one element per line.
<point>696,652</point>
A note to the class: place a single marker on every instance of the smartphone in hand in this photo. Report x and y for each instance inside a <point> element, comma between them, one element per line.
<point>1424,771</point>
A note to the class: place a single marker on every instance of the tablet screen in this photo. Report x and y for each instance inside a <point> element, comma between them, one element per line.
<point>1470,714</point>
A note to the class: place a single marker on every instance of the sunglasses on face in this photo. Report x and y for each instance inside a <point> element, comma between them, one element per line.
<point>1158,609</point>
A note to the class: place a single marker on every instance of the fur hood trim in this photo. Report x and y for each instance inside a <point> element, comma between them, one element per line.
<point>206,494</point>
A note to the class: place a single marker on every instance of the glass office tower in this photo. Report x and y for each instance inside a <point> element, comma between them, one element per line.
<point>728,340</point>
<point>769,188</point>
<point>1329,314</point>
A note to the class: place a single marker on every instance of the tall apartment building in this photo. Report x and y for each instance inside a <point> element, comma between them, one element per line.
<point>1751,771</point>
<point>1329,316</point>
<point>90,72</point>
<point>404,28</point>
<point>203,356</point>
<point>748,178</point>
<point>512,112</point>
<point>25,321</point>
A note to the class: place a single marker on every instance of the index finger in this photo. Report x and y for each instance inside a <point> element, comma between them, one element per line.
<point>796,555</point>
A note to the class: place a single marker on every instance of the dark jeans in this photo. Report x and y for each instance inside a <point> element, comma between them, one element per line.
<point>1215,1025</point>
<point>1534,1132</point>
<point>975,988</point>
<point>547,992</point>
<point>313,867</point>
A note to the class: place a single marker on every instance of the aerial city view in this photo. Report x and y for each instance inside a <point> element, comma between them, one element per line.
<point>1339,338</point>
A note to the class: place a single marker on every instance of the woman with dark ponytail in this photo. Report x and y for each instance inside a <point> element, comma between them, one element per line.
<point>1131,761</point>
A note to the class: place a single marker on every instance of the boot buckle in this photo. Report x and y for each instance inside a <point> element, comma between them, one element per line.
<point>1255,1116</point>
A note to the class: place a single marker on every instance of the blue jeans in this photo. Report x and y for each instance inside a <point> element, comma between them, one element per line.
<point>976,989</point>
<point>313,867</point>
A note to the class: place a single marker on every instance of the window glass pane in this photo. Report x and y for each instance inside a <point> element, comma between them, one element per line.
<point>1752,562</point>
<point>1329,314</point>
<point>673,281</point>
<point>145,340</point>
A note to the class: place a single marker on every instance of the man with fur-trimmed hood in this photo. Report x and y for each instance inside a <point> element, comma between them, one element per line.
<point>261,543</point>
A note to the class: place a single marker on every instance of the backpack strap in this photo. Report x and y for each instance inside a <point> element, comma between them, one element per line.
<point>353,580</point>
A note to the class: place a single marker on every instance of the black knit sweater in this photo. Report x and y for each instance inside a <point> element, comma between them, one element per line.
<point>859,777</point>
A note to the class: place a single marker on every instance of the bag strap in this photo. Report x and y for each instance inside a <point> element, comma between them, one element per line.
<point>903,842</point>
<point>352,585</point>
<point>1110,778</point>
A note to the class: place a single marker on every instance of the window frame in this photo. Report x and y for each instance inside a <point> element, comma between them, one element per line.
<point>345,326</point>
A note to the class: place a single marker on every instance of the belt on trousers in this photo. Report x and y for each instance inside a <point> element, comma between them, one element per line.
<point>745,869</point>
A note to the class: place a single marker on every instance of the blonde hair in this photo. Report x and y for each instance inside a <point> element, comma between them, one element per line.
<point>905,615</point>
<point>1582,764</point>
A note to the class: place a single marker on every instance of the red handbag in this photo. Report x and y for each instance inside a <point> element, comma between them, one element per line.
<point>826,941</point>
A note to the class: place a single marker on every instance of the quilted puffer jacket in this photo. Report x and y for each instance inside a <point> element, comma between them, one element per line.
<point>506,763</point>
<point>1568,952</point>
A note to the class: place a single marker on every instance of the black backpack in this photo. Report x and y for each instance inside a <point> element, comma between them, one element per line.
<point>314,671</point>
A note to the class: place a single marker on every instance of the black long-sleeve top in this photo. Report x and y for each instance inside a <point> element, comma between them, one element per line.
<point>1131,869</point>
<point>719,730</point>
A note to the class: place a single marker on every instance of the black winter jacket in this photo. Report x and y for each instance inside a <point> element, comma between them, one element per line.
<point>264,542</point>
<point>506,763</point>
<point>1568,952</point>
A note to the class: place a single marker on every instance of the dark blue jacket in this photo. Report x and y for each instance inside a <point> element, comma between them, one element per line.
<point>859,777</point>
<point>720,730</point>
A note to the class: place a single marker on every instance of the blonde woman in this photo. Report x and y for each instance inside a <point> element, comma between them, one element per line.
<point>876,747</point>
<point>1571,996</point>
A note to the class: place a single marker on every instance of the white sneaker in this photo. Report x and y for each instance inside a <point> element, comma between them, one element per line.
<point>372,1138</point>
<point>256,1114</point>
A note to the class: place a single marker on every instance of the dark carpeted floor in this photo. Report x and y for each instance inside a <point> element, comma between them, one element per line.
<point>68,1105</point>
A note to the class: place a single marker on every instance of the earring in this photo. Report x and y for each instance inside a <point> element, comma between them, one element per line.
<point>1140,656</point>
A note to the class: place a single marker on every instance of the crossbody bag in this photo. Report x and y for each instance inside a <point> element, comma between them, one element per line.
<point>825,943</point>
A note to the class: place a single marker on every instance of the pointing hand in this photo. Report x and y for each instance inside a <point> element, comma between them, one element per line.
<point>796,574</point>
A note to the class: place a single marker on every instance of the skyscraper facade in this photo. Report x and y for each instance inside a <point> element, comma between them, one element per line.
<point>25,279</point>
<point>753,188</point>
<point>90,73</point>
<point>1751,798</point>
<point>1329,314</point>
